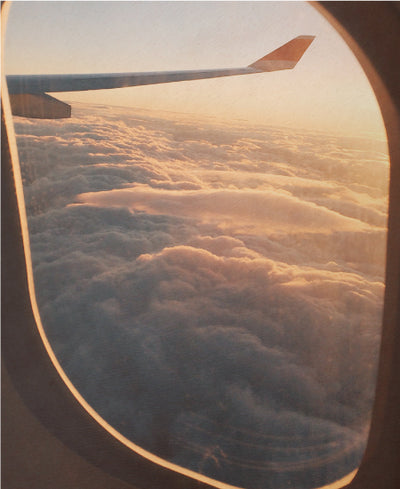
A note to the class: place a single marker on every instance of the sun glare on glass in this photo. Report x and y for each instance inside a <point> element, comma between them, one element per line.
<point>209,255</point>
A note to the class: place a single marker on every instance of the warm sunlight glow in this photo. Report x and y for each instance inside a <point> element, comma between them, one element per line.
<point>155,36</point>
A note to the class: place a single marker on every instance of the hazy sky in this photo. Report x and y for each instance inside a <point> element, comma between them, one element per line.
<point>326,91</point>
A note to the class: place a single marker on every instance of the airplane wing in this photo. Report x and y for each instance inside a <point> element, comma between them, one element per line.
<point>28,93</point>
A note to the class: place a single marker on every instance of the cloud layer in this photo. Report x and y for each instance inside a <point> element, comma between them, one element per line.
<point>213,290</point>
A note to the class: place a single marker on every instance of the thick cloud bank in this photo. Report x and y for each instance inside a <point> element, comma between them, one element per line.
<point>213,290</point>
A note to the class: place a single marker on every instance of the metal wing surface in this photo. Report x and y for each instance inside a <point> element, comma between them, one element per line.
<point>28,92</point>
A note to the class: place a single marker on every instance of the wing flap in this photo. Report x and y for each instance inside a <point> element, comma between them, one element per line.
<point>39,106</point>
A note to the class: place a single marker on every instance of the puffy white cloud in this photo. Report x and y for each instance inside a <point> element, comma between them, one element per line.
<point>213,291</point>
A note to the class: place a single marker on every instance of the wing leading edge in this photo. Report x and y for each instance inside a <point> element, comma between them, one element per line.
<point>28,93</point>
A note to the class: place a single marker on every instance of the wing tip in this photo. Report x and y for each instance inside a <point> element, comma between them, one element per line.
<point>311,37</point>
<point>286,56</point>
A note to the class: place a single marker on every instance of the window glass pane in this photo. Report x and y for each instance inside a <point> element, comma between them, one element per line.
<point>209,255</point>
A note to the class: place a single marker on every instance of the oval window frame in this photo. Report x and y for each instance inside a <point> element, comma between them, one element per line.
<point>62,416</point>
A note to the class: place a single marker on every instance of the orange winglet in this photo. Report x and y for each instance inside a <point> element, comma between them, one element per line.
<point>291,52</point>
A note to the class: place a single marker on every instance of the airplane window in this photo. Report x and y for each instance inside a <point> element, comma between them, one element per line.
<point>209,255</point>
